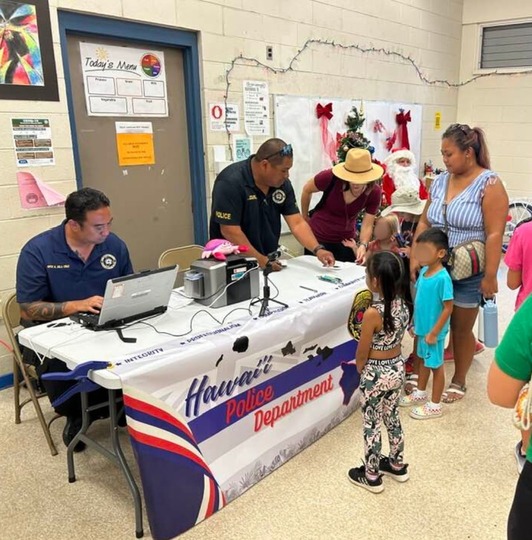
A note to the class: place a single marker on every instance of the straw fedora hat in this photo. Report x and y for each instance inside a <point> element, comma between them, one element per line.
<point>358,167</point>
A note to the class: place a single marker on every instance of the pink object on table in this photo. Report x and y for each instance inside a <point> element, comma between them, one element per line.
<point>220,248</point>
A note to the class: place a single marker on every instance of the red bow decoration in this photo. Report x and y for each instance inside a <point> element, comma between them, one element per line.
<point>402,120</point>
<point>324,114</point>
<point>324,110</point>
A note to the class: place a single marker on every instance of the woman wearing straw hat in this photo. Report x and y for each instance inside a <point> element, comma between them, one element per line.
<point>349,189</point>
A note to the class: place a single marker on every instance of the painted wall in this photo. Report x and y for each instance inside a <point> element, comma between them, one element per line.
<point>429,31</point>
<point>500,105</point>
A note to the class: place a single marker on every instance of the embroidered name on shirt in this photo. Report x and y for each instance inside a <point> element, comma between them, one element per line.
<point>57,266</point>
<point>223,215</point>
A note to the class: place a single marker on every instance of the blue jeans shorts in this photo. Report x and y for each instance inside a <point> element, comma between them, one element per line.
<point>432,355</point>
<point>467,292</point>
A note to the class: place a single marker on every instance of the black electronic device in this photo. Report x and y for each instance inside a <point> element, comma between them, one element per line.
<point>266,298</point>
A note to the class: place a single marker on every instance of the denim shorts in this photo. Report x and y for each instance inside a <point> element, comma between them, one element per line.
<point>467,292</point>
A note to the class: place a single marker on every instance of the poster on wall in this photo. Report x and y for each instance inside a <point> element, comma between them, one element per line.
<point>219,115</point>
<point>32,139</point>
<point>134,143</point>
<point>241,147</point>
<point>256,108</point>
<point>123,81</point>
<point>27,64</point>
<point>34,193</point>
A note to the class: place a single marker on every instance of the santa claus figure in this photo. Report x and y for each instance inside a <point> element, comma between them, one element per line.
<point>400,172</point>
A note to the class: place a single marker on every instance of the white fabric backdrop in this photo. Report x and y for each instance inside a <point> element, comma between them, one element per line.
<point>296,123</point>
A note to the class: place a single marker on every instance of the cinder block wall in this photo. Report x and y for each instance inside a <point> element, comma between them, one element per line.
<point>427,30</point>
<point>500,105</point>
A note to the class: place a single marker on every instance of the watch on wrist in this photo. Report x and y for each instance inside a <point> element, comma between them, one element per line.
<point>365,244</point>
<point>317,248</point>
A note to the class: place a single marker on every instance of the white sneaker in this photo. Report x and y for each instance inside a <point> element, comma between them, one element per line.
<point>426,412</point>
<point>415,398</point>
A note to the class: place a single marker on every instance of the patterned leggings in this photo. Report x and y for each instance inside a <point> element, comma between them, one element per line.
<point>380,383</point>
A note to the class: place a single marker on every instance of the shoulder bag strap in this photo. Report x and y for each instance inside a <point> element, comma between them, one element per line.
<point>323,199</point>
<point>444,206</point>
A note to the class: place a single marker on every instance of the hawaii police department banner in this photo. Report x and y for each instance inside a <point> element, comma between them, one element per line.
<point>212,414</point>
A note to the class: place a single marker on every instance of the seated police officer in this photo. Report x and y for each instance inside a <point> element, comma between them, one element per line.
<point>63,271</point>
<point>249,198</point>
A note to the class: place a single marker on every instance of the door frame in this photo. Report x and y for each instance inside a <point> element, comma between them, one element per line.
<point>187,41</point>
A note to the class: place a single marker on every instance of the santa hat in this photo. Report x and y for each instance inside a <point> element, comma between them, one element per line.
<point>400,153</point>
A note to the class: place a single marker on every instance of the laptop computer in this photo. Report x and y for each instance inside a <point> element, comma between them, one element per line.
<point>130,298</point>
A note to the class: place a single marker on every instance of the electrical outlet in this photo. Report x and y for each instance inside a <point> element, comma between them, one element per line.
<point>269,52</point>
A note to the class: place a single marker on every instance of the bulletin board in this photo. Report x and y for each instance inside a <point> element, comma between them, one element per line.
<point>296,123</point>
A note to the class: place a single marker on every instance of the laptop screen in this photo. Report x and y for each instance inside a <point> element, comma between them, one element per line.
<point>138,295</point>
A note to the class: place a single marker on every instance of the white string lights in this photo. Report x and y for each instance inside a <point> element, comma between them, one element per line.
<point>407,59</point>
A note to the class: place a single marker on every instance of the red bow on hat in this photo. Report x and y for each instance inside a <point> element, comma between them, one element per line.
<point>324,110</point>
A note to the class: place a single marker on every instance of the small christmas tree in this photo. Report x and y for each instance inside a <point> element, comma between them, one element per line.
<point>353,137</point>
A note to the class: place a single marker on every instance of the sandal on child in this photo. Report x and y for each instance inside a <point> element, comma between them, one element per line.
<point>411,383</point>
<point>455,392</point>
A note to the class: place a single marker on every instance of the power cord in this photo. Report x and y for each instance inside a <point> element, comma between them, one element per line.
<point>221,323</point>
<point>220,290</point>
<point>286,251</point>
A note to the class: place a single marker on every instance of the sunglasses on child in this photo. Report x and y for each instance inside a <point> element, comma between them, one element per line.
<point>285,151</point>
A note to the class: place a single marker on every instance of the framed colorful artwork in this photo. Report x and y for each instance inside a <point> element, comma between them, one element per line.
<point>27,64</point>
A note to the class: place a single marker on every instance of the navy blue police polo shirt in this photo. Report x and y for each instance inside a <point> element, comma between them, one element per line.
<point>50,271</point>
<point>236,200</point>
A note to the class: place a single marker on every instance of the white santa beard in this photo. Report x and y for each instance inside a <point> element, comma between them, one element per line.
<point>402,176</point>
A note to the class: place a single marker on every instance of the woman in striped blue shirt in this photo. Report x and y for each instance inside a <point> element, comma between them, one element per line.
<point>476,206</point>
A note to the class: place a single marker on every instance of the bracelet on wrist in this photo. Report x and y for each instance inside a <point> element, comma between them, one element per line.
<point>317,248</point>
<point>365,244</point>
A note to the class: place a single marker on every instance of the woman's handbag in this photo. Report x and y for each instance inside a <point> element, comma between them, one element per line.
<point>468,258</point>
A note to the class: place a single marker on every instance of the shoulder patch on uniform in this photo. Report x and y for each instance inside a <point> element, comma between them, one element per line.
<point>279,196</point>
<point>108,261</point>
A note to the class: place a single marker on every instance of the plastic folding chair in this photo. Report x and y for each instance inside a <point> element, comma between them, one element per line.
<point>184,256</point>
<point>11,316</point>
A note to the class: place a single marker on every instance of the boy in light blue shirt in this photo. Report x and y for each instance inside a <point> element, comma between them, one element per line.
<point>432,313</point>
